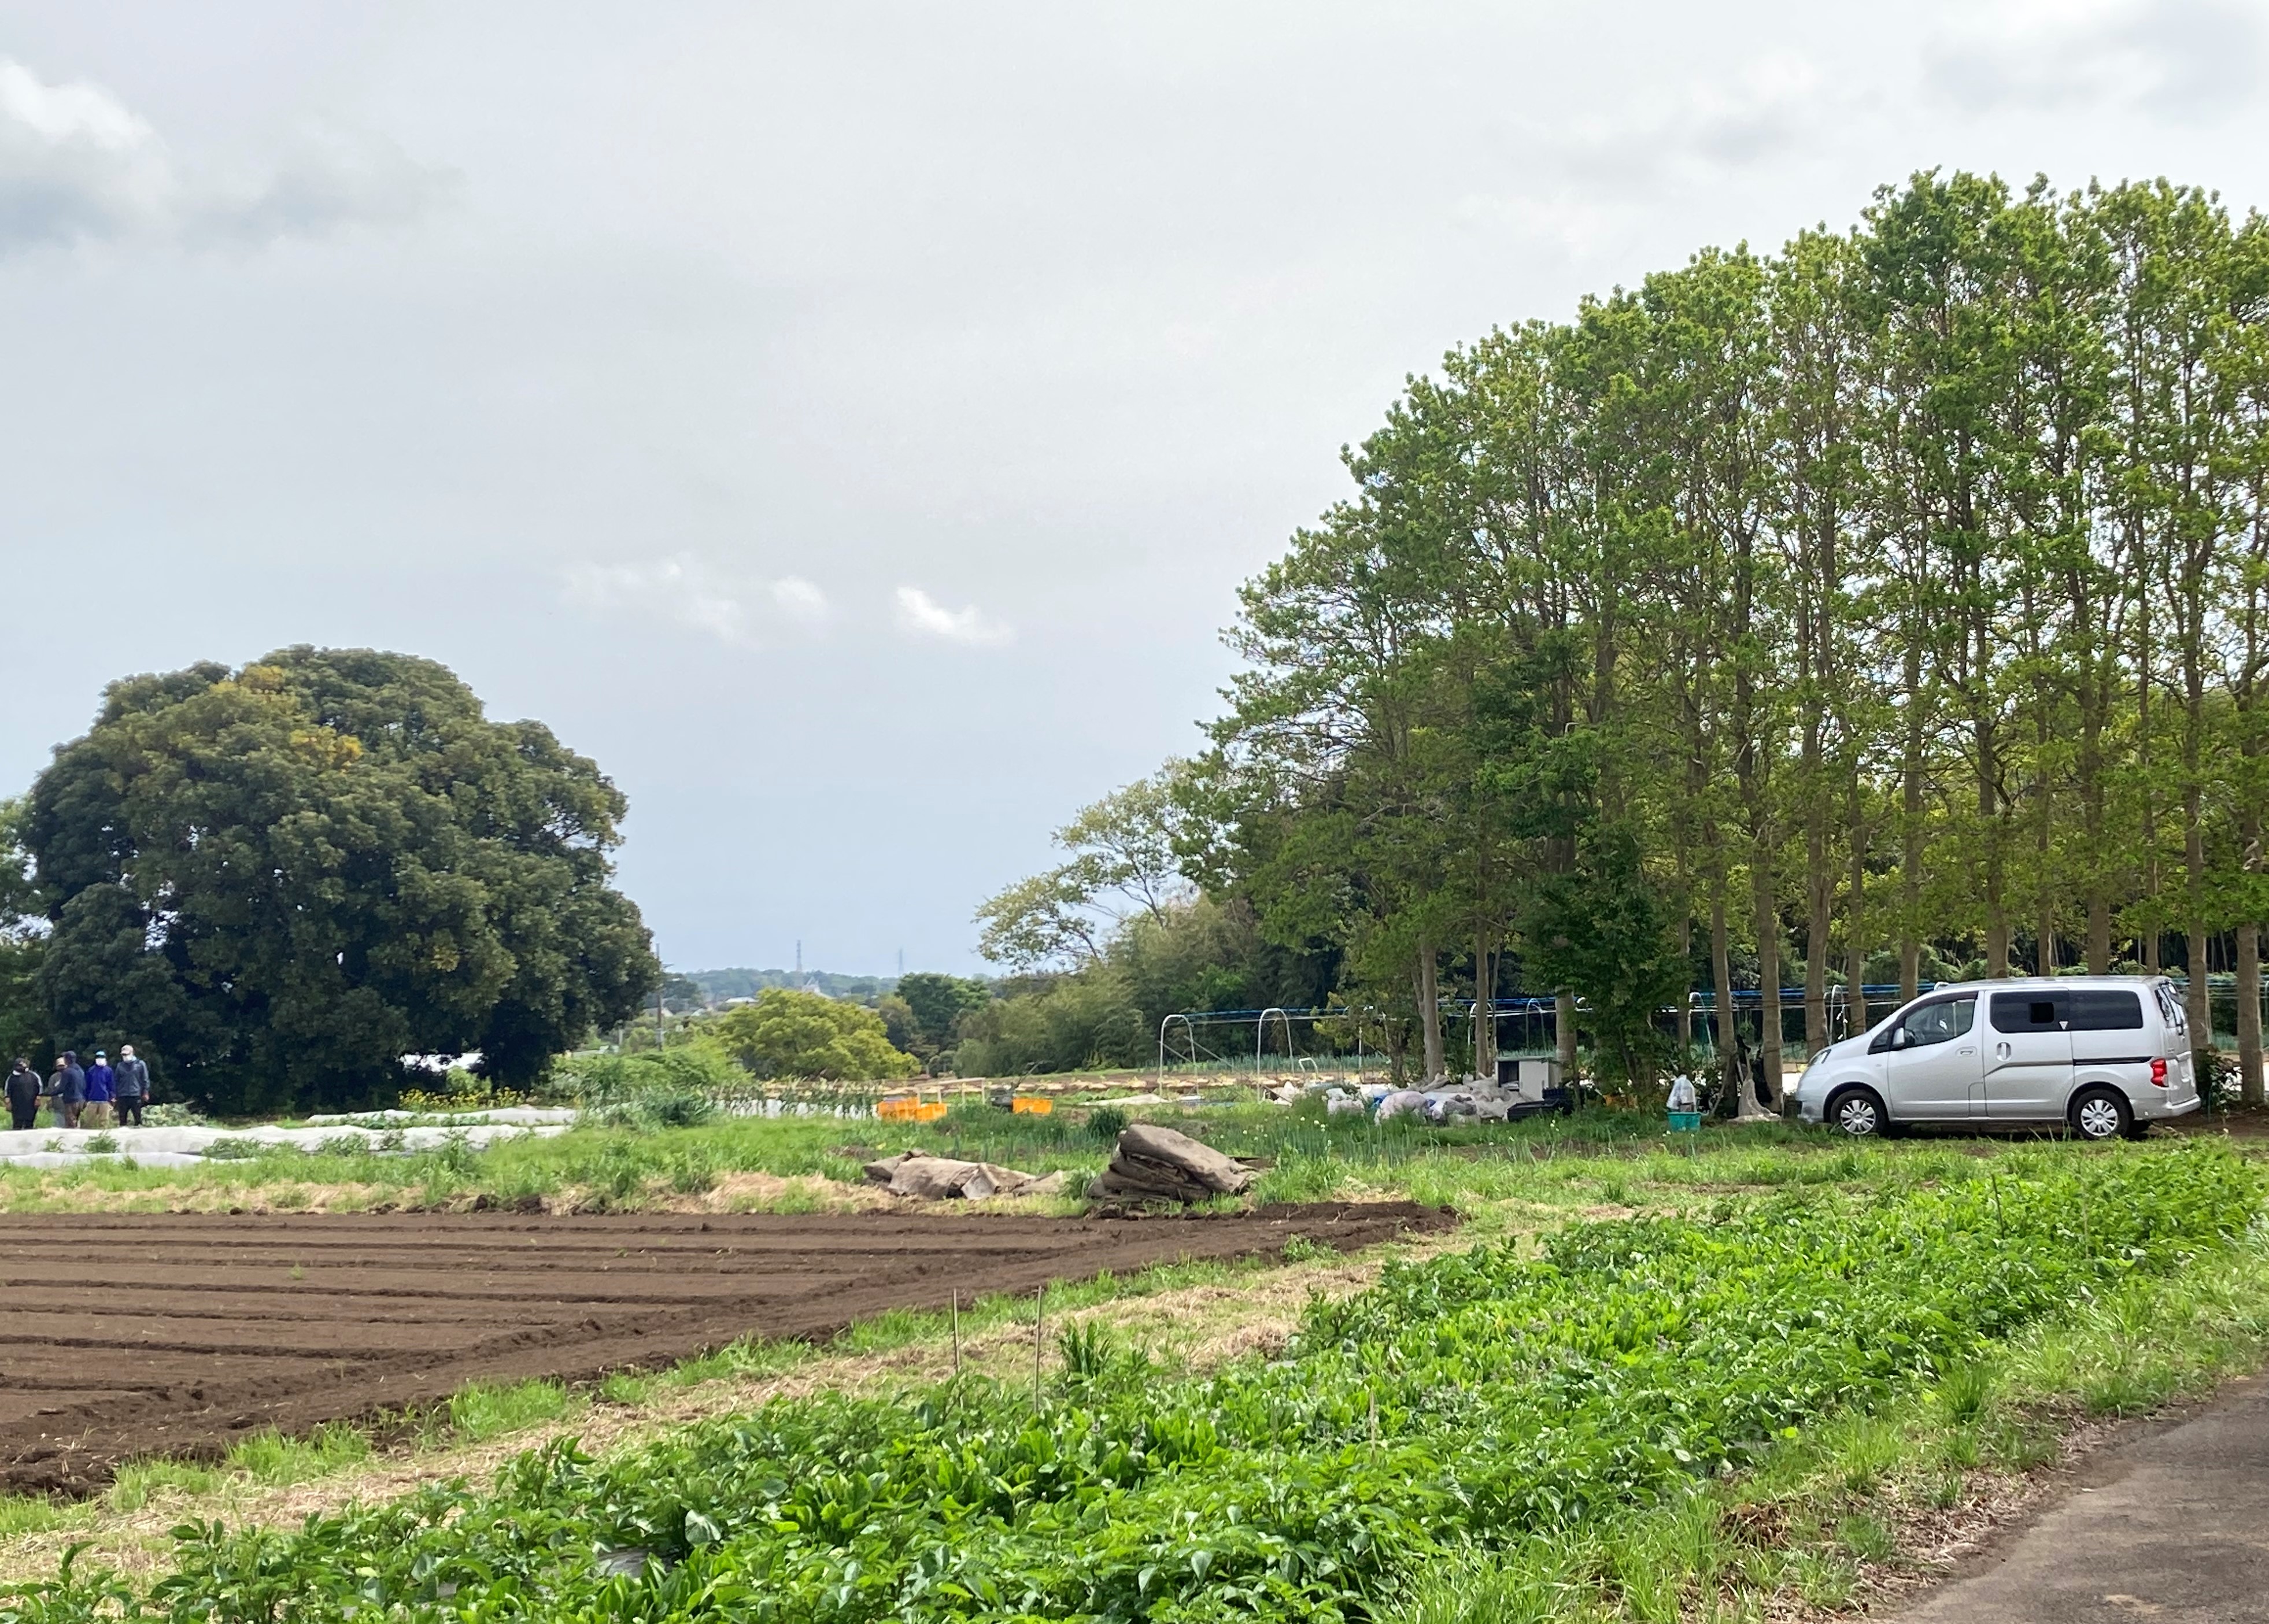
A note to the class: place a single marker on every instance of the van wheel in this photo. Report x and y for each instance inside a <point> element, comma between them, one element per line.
<point>2100,1113</point>
<point>1859,1113</point>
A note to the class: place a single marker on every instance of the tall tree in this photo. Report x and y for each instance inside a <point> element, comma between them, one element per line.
<point>279,881</point>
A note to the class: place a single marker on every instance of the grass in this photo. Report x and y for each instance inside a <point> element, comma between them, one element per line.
<point>604,1167</point>
<point>1818,1514</point>
<point>488,1409</point>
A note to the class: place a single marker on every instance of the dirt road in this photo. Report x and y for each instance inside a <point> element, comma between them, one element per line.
<point>178,1333</point>
<point>2171,1526</point>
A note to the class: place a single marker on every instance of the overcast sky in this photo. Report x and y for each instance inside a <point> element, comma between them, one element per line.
<point>849,422</point>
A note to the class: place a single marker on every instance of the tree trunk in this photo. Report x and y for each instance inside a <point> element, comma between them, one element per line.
<point>1430,1013</point>
<point>1820,891</point>
<point>1911,831</point>
<point>1686,1008</point>
<point>1564,1034</point>
<point>1721,994</point>
<point>1855,920</point>
<point>1768,978</point>
<point>1767,928</point>
<point>2249,1013</point>
<point>2199,1006</point>
<point>1484,1008</point>
<point>1857,931</point>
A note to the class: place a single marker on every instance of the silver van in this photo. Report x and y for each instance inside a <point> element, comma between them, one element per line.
<point>2104,1055</point>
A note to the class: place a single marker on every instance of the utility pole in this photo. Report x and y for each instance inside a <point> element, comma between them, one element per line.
<point>660,1039</point>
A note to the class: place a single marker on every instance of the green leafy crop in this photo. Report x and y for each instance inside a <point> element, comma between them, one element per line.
<point>1487,1396</point>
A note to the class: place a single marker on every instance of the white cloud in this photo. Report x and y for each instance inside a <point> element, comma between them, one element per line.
<point>687,592</point>
<point>926,617</point>
<point>77,163</point>
<point>2187,59</point>
<point>1586,182</point>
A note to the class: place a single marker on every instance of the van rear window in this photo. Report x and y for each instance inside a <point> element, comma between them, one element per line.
<point>2105,1011</point>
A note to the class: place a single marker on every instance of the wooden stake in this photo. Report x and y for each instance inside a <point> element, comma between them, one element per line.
<point>1040,1313</point>
<point>957,1333</point>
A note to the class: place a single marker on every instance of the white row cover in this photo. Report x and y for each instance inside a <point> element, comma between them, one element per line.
<point>183,1147</point>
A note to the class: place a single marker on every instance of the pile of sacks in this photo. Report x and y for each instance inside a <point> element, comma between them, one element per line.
<point>1469,1102</point>
<point>940,1178</point>
<point>1158,1164</point>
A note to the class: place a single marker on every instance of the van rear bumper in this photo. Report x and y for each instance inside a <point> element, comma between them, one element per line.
<point>2161,1105</point>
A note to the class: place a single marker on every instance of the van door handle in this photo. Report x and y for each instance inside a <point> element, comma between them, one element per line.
<point>1966,1051</point>
<point>2000,1052</point>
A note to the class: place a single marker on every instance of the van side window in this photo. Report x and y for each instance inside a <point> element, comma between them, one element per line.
<point>2105,1011</point>
<point>1938,1024</point>
<point>2031,1012</point>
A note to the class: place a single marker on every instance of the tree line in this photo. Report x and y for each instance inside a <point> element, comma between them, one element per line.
<point>1893,599</point>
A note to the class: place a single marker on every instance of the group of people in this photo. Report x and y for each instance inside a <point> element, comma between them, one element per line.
<point>99,1096</point>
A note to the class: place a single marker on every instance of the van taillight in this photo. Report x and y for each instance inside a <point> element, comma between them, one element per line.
<point>2158,1073</point>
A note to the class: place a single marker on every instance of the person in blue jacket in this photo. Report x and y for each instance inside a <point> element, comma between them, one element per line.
<point>99,1091</point>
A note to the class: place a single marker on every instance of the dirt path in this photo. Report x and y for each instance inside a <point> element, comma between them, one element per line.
<point>178,1334</point>
<point>2172,1526</point>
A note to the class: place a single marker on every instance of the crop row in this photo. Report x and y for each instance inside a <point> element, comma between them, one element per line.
<point>1484,1397</point>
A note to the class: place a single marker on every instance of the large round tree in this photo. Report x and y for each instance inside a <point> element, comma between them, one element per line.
<point>279,881</point>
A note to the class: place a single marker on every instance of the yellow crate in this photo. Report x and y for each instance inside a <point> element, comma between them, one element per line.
<point>909,1108</point>
<point>1032,1105</point>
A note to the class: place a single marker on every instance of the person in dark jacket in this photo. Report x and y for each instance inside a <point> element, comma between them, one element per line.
<point>133,1086</point>
<point>22,1097</point>
<point>70,1083</point>
<point>98,1091</point>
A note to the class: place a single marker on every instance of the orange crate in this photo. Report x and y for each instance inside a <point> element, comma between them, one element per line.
<point>1032,1105</point>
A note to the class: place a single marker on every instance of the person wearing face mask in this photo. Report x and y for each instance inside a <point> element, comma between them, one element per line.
<point>99,1094</point>
<point>131,1080</point>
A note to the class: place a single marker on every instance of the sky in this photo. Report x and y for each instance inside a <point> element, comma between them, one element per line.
<point>849,425</point>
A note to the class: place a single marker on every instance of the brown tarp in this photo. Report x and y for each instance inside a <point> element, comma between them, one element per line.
<point>1158,1164</point>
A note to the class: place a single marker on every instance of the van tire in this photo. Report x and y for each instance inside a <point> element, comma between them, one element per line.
<point>1857,1114</point>
<point>2100,1113</point>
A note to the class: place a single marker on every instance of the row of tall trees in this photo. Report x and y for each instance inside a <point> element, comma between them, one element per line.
<point>1906,587</point>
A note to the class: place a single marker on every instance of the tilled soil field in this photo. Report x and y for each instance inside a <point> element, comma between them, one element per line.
<point>176,1334</point>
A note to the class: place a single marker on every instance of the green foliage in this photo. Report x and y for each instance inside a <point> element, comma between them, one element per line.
<point>1604,932</point>
<point>1652,1355</point>
<point>936,1003</point>
<point>786,1033</point>
<point>676,1087</point>
<point>1123,862</point>
<point>1192,954</point>
<point>1052,1023</point>
<point>278,880</point>
<point>23,1014</point>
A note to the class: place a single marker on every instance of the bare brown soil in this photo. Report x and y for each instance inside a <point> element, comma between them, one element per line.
<point>177,1335</point>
